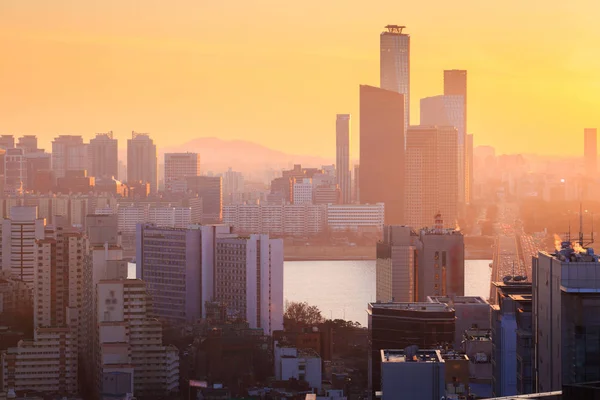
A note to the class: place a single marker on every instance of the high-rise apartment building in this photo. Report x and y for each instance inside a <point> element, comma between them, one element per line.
<point>432,175</point>
<point>590,151</point>
<point>382,153</point>
<point>19,233</point>
<point>188,255</point>
<point>448,110</point>
<point>178,166</point>
<point>566,322</point>
<point>142,162</point>
<point>69,153</point>
<point>15,172</point>
<point>249,279</point>
<point>342,156</point>
<point>394,65</point>
<point>210,190</point>
<point>399,325</point>
<point>7,142</point>
<point>29,144</point>
<point>103,156</point>
<point>130,342</point>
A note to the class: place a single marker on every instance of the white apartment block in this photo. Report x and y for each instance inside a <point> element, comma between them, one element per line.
<point>170,217</point>
<point>130,215</point>
<point>249,279</point>
<point>303,192</point>
<point>48,363</point>
<point>130,342</point>
<point>299,364</point>
<point>19,234</point>
<point>355,217</point>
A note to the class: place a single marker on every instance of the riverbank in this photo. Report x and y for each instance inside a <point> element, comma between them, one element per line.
<point>332,253</point>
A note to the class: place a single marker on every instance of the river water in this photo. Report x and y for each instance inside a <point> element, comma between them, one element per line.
<point>342,289</point>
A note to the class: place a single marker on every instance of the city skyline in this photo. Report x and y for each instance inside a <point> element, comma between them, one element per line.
<point>104,94</point>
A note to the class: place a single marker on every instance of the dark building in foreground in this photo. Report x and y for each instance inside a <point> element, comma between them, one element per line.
<point>399,325</point>
<point>210,190</point>
<point>382,119</point>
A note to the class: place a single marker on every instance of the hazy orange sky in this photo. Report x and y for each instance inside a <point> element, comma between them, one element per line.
<point>277,72</point>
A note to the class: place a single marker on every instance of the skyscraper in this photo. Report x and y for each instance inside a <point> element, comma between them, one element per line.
<point>469,182</point>
<point>448,110</point>
<point>590,151</point>
<point>178,166</point>
<point>69,153</point>
<point>382,151</point>
<point>342,156</point>
<point>455,84</point>
<point>103,156</point>
<point>394,65</point>
<point>15,172</point>
<point>141,160</point>
<point>431,175</point>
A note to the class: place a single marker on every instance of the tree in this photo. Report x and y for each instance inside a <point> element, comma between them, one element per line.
<point>299,314</point>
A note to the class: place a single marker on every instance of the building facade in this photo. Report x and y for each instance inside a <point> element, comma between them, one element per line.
<point>342,156</point>
<point>178,166</point>
<point>69,153</point>
<point>210,190</point>
<point>394,64</point>
<point>405,375</point>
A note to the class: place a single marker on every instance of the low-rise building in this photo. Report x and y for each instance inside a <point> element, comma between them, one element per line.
<point>299,364</point>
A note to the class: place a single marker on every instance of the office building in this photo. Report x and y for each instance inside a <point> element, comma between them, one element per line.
<point>504,336</point>
<point>69,153</point>
<point>472,312</point>
<point>210,190</point>
<point>566,324</point>
<point>342,156</point>
<point>47,364</point>
<point>303,191</point>
<point>441,264</point>
<point>15,172</point>
<point>7,142</point>
<point>327,194</point>
<point>299,364</point>
<point>412,374</point>
<point>249,279</point>
<point>394,65</point>
<point>29,144</point>
<point>399,325</point>
<point>19,233</point>
<point>432,175</point>
<point>382,132</point>
<point>178,166</point>
<point>448,110</point>
<point>130,342</point>
<point>103,156</point>
<point>142,161</point>
<point>590,151</point>
<point>189,257</point>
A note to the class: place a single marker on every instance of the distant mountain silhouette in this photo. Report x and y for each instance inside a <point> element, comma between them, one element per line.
<point>218,155</point>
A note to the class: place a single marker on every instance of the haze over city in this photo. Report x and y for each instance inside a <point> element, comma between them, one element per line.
<point>270,71</point>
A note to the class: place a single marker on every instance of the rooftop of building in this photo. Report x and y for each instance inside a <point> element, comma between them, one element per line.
<point>457,299</point>
<point>478,335</point>
<point>407,355</point>
<point>572,252</point>
<point>521,297</point>
<point>424,306</point>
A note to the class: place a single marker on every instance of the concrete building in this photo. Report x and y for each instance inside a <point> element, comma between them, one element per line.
<point>394,65</point>
<point>103,156</point>
<point>178,166</point>
<point>210,190</point>
<point>327,194</point>
<point>15,172</point>
<point>472,312</point>
<point>356,217</point>
<point>504,335</point>
<point>129,341</point>
<point>396,265</point>
<point>566,324</point>
<point>178,267</point>
<point>249,279</point>
<point>412,374</point>
<point>300,364</point>
<point>19,234</point>
<point>342,156</point>
<point>142,161</point>
<point>38,164</point>
<point>382,131</point>
<point>590,151</point>
<point>48,363</point>
<point>29,144</point>
<point>477,345</point>
<point>7,142</point>
<point>469,174</point>
<point>441,269</point>
<point>455,84</point>
<point>432,175</point>
<point>173,217</point>
<point>303,191</point>
<point>69,153</point>
<point>525,345</point>
<point>399,325</point>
